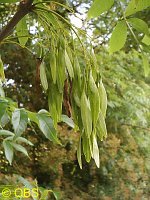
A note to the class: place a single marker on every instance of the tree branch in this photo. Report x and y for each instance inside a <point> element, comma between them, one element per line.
<point>24,8</point>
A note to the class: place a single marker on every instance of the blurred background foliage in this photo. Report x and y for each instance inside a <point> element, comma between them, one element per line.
<point>125,165</point>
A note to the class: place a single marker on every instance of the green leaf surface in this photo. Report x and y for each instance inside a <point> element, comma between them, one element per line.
<point>6,133</point>
<point>136,6</point>
<point>19,121</point>
<point>24,140</point>
<point>56,194</point>
<point>98,7</point>
<point>5,119</point>
<point>2,93</point>
<point>47,127</point>
<point>139,25</point>
<point>33,117</point>
<point>3,106</point>
<point>146,40</point>
<point>9,152</point>
<point>20,148</point>
<point>118,37</point>
<point>22,31</point>
<point>67,120</point>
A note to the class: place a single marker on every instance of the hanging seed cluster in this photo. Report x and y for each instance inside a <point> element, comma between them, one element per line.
<point>63,77</point>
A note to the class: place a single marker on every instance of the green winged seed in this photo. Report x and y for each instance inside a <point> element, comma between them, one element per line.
<point>22,31</point>
<point>101,127</point>
<point>94,100</point>
<point>69,65</point>
<point>69,52</point>
<point>2,75</point>
<point>79,154</point>
<point>61,74</point>
<point>92,85</point>
<point>43,76</point>
<point>77,69</point>
<point>103,98</point>
<point>52,107</point>
<point>76,94</point>
<point>96,151</point>
<point>59,101</point>
<point>86,147</point>
<point>55,99</point>
<point>76,113</point>
<point>53,66</point>
<point>86,114</point>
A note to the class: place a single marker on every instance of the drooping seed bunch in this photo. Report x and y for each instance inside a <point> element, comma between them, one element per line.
<point>79,84</point>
